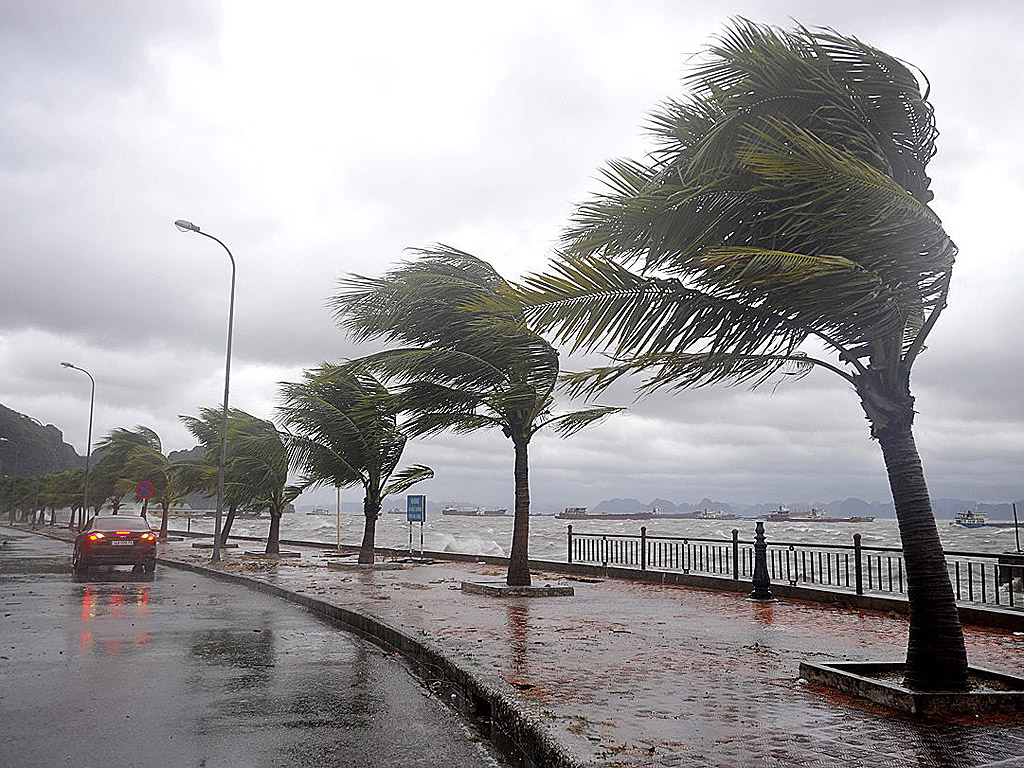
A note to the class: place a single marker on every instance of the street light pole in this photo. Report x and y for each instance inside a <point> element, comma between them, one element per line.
<point>88,448</point>
<point>188,226</point>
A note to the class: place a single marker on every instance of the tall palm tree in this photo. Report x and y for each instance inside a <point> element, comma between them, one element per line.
<point>344,433</point>
<point>146,462</point>
<point>469,366</point>
<point>781,225</point>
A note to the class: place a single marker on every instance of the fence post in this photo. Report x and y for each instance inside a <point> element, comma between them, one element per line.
<point>569,543</point>
<point>736,554</point>
<point>858,571</point>
<point>762,591</point>
<point>604,552</point>
<point>643,547</point>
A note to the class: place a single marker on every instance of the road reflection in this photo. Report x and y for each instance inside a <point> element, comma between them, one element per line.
<point>102,611</point>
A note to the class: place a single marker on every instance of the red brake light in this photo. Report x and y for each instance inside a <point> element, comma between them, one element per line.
<point>94,536</point>
<point>121,532</point>
<point>148,536</point>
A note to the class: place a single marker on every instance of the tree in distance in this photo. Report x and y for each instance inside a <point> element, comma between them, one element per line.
<point>781,225</point>
<point>343,432</point>
<point>468,365</point>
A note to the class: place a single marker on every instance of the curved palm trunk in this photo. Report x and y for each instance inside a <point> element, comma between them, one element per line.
<point>518,563</point>
<point>936,655</point>
<point>273,538</point>
<point>225,531</point>
<point>145,508</point>
<point>163,520</point>
<point>371,510</point>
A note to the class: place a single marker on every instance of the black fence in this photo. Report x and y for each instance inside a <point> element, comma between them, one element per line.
<point>977,577</point>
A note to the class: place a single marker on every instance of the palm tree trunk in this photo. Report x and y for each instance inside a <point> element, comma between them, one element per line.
<point>163,520</point>
<point>225,531</point>
<point>518,562</point>
<point>145,506</point>
<point>936,656</point>
<point>273,538</point>
<point>371,510</point>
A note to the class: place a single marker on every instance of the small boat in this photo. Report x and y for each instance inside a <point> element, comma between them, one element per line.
<point>454,509</point>
<point>580,513</point>
<point>320,511</point>
<point>969,518</point>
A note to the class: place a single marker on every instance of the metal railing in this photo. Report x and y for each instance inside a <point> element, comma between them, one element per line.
<point>977,577</point>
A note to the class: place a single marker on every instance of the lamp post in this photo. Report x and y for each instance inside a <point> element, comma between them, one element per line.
<point>188,226</point>
<point>88,448</point>
<point>2,440</point>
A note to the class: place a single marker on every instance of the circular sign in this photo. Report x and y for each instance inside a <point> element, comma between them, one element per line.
<point>144,489</point>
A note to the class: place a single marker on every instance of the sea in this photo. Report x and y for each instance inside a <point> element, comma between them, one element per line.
<point>548,541</point>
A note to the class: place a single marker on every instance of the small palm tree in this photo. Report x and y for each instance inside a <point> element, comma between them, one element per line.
<point>470,366</point>
<point>344,433</point>
<point>203,476</point>
<point>782,225</point>
<point>258,467</point>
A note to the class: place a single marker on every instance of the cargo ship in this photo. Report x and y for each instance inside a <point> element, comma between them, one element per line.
<point>454,509</point>
<point>784,515</point>
<point>580,513</point>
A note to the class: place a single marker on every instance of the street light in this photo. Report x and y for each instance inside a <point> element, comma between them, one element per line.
<point>188,226</point>
<point>88,449</point>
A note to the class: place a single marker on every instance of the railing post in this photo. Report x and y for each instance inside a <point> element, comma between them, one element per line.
<point>569,543</point>
<point>858,571</point>
<point>735,554</point>
<point>762,591</point>
<point>643,547</point>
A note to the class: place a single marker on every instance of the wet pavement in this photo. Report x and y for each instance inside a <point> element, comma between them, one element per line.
<point>636,674</point>
<point>183,670</point>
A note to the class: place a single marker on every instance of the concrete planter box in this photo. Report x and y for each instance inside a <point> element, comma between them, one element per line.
<point>996,693</point>
<point>501,589</point>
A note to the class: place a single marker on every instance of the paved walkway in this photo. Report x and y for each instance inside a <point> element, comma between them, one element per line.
<point>636,674</point>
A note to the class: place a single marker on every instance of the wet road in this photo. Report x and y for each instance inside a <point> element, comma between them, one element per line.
<point>183,670</point>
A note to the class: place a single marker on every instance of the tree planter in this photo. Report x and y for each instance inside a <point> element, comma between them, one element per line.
<point>501,589</point>
<point>992,692</point>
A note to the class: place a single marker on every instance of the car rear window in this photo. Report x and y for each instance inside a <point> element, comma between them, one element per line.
<point>120,523</point>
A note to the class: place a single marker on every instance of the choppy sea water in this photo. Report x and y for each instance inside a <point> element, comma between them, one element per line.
<point>493,535</point>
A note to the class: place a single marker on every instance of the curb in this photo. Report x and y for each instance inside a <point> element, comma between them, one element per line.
<point>510,725</point>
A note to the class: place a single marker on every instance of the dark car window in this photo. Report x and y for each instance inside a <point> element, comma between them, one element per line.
<point>120,523</point>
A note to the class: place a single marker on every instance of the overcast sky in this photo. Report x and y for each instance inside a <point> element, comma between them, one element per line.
<point>318,139</point>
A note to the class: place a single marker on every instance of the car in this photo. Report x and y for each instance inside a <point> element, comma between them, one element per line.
<point>115,540</point>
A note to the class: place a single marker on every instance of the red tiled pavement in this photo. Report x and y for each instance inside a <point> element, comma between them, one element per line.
<point>642,675</point>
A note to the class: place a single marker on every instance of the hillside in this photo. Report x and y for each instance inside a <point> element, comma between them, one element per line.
<point>33,448</point>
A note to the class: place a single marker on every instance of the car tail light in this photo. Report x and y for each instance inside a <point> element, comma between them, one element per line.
<point>122,533</point>
<point>148,536</point>
<point>95,536</point>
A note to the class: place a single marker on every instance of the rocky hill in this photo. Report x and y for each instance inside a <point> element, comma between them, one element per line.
<point>32,448</point>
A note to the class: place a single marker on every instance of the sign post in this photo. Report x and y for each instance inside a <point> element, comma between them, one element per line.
<point>416,512</point>
<point>339,519</point>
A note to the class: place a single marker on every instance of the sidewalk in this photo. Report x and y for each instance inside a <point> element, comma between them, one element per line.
<point>633,674</point>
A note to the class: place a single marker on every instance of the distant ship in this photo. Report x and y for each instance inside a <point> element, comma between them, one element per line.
<point>580,513</point>
<point>320,511</point>
<point>968,518</point>
<point>784,515</point>
<point>454,509</point>
<point>702,514</point>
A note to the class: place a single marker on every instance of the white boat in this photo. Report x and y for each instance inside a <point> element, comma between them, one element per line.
<point>968,518</point>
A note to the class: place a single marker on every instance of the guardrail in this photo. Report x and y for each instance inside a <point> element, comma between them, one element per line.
<point>977,577</point>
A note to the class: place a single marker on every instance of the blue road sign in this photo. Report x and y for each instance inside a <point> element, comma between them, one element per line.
<point>416,508</point>
<point>145,489</point>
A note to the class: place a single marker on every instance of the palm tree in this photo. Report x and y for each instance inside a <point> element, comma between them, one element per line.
<point>258,465</point>
<point>344,433</point>
<point>203,477</point>
<point>469,367</point>
<point>147,462</point>
<point>784,213</point>
<point>113,480</point>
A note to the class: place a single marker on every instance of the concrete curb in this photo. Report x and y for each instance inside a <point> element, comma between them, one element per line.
<point>512,725</point>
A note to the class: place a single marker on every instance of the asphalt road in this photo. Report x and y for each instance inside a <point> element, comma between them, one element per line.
<point>182,670</point>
